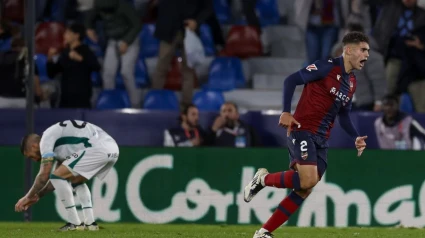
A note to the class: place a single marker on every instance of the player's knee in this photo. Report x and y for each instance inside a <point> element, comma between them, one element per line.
<point>308,182</point>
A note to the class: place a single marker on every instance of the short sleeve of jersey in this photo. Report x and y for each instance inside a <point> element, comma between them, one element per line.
<point>316,71</point>
<point>48,140</point>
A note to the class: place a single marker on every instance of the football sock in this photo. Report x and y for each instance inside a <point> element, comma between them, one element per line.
<point>282,213</point>
<point>64,192</point>
<point>286,179</point>
<point>84,195</point>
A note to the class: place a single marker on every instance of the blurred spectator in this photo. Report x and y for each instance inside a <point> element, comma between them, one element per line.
<point>76,63</point>
<point>146,9</point>
<point>411,78</point>
<point>396,130</point>
<point>371,81</point>
<point>396,23</point>
<point>229,131</point>
<point>189,134</point>
<point>321,21</point>
<point>173,17</point>
<point>5,36</point>
<point>12,68</point>
<point>122,27</point>
<point>248,10</point>
<point>216,32</point>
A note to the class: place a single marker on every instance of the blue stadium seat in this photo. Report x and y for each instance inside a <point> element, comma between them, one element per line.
<point>225,74</point>
<point>158,99</point>
<point>96,79</point>
<point>113,99</point>
<point>141,74</point>
<point>406,103</point>
<point>222,11</point>
<point>41,64</point>
<point>149,45</point>
<point>207,39</point>
<point>95,47</point>
<point>208,100</point>
<point>268,12</point>
<point>5,44</point>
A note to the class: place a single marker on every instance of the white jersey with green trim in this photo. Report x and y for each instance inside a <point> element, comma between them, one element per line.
<point>63,139</point>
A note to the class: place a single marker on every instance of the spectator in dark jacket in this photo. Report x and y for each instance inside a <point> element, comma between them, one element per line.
<point>189,133</point>
<point>76,63</point>
<point>173,17</point>
<point>122,27</point>
<point>12,86</point>
<point>229,131</point>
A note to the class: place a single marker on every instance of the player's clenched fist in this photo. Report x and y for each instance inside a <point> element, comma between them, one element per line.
<point>286,120</point>
<point>360,144</point>
<point>24,203</point>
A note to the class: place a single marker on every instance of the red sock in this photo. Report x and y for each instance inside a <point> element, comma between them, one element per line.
<point>286,179</point>
<point>285,209</point>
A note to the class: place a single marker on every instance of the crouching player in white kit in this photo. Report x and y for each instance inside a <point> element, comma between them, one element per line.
<point>81,150</point>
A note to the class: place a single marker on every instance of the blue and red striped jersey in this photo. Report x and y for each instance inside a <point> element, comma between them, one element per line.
<point>328,89</point>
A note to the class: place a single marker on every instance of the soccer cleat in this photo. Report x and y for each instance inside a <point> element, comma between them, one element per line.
<point>263,235</point>
<point>254,186</point>
<point>71,227</point>
<point>92,227</point>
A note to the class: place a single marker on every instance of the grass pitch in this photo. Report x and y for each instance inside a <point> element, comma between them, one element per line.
<point>47,230</point>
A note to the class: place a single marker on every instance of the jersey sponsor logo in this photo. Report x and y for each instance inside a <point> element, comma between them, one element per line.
<point>311,67</point>
<point>339,95</point>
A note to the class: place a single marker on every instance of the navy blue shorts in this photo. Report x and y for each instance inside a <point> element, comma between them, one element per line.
<point>307,148</point>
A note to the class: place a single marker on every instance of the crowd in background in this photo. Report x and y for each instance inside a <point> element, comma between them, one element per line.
<point>102,37</point>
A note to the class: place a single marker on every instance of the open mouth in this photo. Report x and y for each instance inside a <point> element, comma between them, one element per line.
<point>362,62</point>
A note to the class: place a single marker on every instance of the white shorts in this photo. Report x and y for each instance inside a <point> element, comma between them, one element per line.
<point>94,161</point>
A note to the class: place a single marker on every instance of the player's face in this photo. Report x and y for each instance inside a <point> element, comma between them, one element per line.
<point>192,116</point>
<point>33,152</point>
<point>359,54</point>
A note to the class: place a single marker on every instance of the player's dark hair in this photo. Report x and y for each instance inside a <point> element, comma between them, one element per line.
<point>390,98</point>
<point>26,140</point>
<point>78,29</point>
<point>355,37</point>
<point>352,26</point>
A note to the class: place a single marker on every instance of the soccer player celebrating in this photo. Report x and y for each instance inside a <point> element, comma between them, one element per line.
<point>82,150</point>
<point>329,86</point>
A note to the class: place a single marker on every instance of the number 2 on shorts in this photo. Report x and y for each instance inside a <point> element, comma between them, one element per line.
<point>303,145</point>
